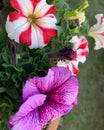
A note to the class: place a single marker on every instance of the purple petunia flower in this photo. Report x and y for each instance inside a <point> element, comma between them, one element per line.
<point>46,98</point>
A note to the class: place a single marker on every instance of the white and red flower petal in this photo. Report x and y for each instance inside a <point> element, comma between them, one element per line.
<point>14,21</point>
<point>42,9</point>
<point>33,37</point>
<point>81,54</point>
<point>17,34</point>
<point>99,42</point>
<point>100,19</point>
<point>15,28</point>
<point>97,32</point>
<point>40,37</point>
<point>48,21</point>
<point>80,46</point>
<point>71,65</point>
<point>36,37</point>
<point>24,7</point>
<point>47,33</point>
<point>79,42</point>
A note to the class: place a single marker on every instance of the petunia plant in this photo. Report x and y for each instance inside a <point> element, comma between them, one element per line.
<point>42,44</point>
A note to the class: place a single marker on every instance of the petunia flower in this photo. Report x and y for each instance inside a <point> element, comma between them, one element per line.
<point>71,65</point>
<point>33,22</point>
<point>78,14</point>
<point>80,46</point>
<point>45,99</point>
<point>97,32</point>
<point>80,49</point>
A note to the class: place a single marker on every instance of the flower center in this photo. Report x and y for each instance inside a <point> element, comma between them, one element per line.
<point>68,53</point>
<point>31,19</point>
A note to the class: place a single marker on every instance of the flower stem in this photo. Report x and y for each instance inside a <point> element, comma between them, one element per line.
<point>52,55</point>
<point>12,49</point>
<point>1,20</point>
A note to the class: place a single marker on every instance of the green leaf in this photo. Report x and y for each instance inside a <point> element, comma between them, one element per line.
<point>74,14</point>
<point>12,91</point>
<point>2,90</point>
<point>83,6</point>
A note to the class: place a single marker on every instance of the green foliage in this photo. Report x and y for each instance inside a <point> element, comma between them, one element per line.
<point>30,63</point>
<point>81,8</point>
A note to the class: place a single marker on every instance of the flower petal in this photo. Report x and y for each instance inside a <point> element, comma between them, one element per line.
<point>48,21</point>
<point>15,27</point>
<point>73,67</point>
<point>97,32</point>
<point>58,109</point>
<point>80,46</point>
<point>100,19</point>
<point>81,54</point>
<point>27,114</point>
<point>42,9</point>
<point>12,17</point>
<point>25,7</point>
<point>29,122</point>
<point>27,39</point>
<point>67,93</point>
<point>79,42</point>
<point>29,89</point>
<point>99,42</point>
<point>70,65</point>
<point>45,113</point>
<point>36,37</point>
<point>54,110</point>
<point>52,80</point>
<point>48,27</point>
<point>47,33</point>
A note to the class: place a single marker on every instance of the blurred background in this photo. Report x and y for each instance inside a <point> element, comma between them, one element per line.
<point>89,113</point>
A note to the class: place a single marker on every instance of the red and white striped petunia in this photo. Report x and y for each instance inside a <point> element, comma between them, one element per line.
<point>32,23</point>
<point>71,65</point>
<point>97,32</point>
<point>80,47</point>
